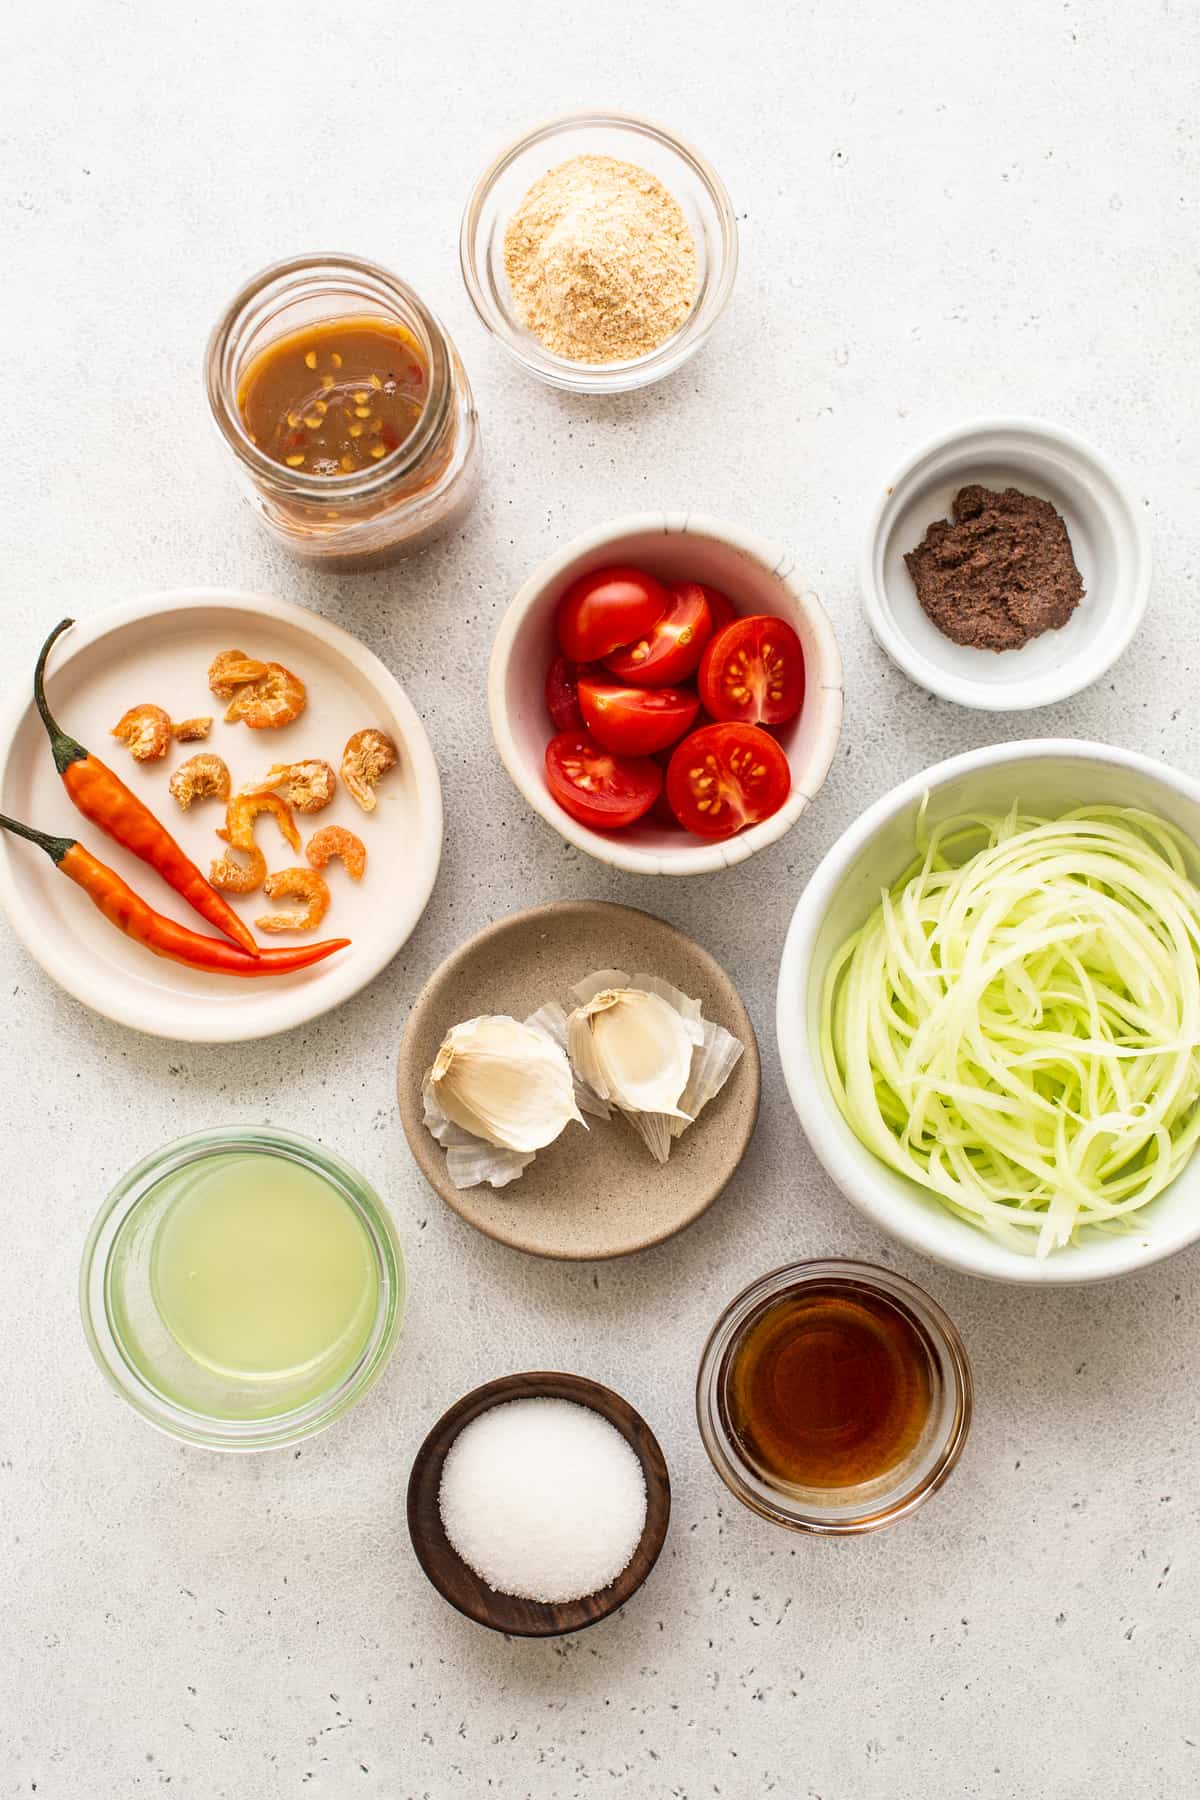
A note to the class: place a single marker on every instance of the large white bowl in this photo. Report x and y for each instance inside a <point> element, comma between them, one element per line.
<point>1051,775</point>
<point>758,578</point>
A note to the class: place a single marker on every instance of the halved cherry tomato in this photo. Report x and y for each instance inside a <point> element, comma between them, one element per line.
<point>753,672</point>
<point>720,606</point>
<point>725,777</point>
<point>671,650</point>
<point>562,697</point>
<point>600,612</point>
<point>636,721</point>
<point>597,788</point>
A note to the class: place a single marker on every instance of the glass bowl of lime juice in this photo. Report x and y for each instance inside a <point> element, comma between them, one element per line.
<point>242,1288</point>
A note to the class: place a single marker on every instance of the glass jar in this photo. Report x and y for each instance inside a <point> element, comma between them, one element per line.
<point>374,515</point>
<point>897,1490</point>
<point>168,1377</point>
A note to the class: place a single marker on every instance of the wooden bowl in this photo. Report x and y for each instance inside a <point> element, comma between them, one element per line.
<point>469,1592</point>
<point>595,1193</point>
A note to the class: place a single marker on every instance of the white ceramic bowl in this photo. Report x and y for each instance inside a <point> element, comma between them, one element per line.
<point>1108,534</point>
<point>758,578</point>
<point>1051,775</point>
<point>502,187</point>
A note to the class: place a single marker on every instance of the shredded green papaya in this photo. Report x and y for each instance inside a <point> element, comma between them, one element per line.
<point>1017,1025</point>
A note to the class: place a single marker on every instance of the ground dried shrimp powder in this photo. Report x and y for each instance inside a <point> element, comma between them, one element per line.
<point>601,260</point>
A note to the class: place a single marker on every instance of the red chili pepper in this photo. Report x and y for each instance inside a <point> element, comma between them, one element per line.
<point>102,797</point>
<point>154,931</point>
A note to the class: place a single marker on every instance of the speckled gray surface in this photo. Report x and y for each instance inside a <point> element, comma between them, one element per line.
<point>942,213</point>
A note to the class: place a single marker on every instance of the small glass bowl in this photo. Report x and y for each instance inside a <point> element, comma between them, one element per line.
<point>841,1512</point>
<point>116,1299</point>
<point>504,184</point>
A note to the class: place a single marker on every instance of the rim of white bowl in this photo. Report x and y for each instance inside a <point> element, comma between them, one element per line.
<point>1093,659</point>
<point>979,1254</point>
<point>692,859</point>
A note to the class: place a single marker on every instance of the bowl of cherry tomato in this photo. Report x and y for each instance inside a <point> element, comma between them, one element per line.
<point>666,694</point>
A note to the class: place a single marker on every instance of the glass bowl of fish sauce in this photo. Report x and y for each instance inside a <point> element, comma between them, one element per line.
<point>833,1397</point>
<point>242,1288</point>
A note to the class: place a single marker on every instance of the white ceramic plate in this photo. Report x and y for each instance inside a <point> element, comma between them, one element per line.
<point>158,649</point>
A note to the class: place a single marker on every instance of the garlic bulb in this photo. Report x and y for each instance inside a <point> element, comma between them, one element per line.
<point>635,1049</point>
<point>504,1082</point>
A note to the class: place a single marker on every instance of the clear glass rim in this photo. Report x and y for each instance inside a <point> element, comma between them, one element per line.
<point>954,1368</point>
<point>134,1385</point>
<point>593,378</point>
<point>220,382</point>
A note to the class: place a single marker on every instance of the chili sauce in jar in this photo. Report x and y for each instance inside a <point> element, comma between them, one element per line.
<point>346,409</point>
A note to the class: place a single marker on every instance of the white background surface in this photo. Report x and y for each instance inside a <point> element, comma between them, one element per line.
<point>944,211</point>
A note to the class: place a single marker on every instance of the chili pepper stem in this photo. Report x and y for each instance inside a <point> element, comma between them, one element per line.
<point>55,847</point>
<point>65,749</point>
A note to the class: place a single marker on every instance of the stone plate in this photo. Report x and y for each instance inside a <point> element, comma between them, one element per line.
<point>597,1193</point>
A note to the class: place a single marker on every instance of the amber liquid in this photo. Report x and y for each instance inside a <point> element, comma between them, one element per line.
<point>828,1387</point>
<point>336,397</point>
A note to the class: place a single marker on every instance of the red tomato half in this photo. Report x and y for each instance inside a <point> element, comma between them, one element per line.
<point>753,672</point>
<point>562,696</point>
<point>720,606</point>
<point>597,788</point>
<point>600,612</point>
<point>671,650</point>
<point>636,721</point>
<point>725,777</point>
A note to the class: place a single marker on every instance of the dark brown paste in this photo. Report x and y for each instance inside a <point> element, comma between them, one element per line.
<point>999,572</point>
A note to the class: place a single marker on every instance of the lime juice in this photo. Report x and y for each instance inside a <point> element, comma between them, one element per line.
<point>262,1272</point>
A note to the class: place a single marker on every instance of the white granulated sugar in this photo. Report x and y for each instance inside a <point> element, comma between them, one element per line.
<point>544,1499</point>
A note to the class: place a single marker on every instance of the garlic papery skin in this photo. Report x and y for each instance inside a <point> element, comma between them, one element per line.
<point>504,1082</point>
<point>634,1048</point>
